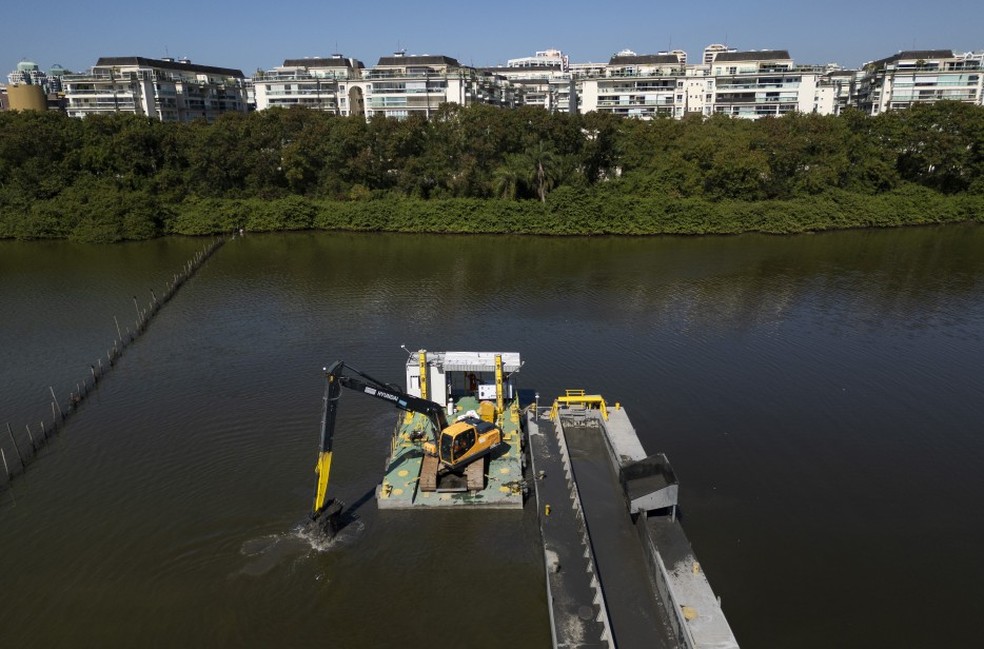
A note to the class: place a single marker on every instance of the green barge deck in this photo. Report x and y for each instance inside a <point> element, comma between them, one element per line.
<point>502,470</point>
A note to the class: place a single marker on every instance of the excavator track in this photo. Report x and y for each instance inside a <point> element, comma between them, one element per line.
<point>475,475</point>
<point>428,474</point>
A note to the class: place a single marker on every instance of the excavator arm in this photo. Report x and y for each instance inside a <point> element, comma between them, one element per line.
<point>337,377</point>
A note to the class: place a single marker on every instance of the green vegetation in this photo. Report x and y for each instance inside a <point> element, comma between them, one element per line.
<point>481,169</point>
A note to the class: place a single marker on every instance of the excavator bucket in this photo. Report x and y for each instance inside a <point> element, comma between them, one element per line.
<point>326,521</point>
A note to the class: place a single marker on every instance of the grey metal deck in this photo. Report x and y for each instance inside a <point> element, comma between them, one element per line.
<point>624,580</point>
<point>638,618</point>
<point>577,610</point>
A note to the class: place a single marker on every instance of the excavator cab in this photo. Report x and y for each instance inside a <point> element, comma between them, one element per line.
<point>466,440</point>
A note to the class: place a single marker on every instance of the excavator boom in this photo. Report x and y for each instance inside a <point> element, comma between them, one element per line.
<point>453,447</point>
<point>336,378</point>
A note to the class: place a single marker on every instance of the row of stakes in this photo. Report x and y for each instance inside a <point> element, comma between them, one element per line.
<point>20,460</point>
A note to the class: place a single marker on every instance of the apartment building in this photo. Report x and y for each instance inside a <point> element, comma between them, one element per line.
<point>543,80</point>
<point>30,88</point>
<point>749,85</point>
<point>28,73</point>
<point>919,76</point>
<point>844,84</point>
<point>165,89</point>
<point>634,85</point>
<point>543,59</point>
<point>746,84</point>
<point>766,83</point>
<point>310,83</point>
<point>403,85</point>
<point>711,51</point>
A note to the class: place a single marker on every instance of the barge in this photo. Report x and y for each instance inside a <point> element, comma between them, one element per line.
<point>619,570</point>
<point>465,383</point>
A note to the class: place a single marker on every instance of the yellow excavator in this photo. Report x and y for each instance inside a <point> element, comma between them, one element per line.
<point>455,445</point>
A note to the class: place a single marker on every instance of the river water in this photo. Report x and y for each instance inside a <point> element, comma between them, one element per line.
<point>820,398</point>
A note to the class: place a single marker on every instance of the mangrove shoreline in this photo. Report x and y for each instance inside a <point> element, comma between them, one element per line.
<point>485,170</point>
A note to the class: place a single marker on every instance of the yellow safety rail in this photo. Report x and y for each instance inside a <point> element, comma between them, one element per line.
<point>499,395</point>
<point>422,357</point>
<point>578,398</point>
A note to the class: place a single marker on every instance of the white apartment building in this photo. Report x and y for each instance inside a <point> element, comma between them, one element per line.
<point>635,85</point>
<point>845,87</point>
<point>745,84</point>
<point>711,51</point>
<point>28,73</point>
<point>309,83</point>
<point>164,89</point>
<point>740,84</point>
<point>541,80</point>
<point>551,58</point>
<point>920,76</point>
<point>764,83</point>
<point>402,85</point>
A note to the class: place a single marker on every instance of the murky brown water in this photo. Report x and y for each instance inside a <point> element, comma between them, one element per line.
<point>820,398</point>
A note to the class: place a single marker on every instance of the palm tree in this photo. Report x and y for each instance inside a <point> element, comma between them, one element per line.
<point>510,178</point>
<point>546,165</point>
<point>536,171</point>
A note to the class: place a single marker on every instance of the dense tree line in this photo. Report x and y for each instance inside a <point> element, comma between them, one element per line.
<point>116,177</point>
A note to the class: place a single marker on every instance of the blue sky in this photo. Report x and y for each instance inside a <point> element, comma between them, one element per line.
<point>251,34</point>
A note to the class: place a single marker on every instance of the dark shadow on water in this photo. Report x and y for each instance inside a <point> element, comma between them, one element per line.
<point>351,513</point>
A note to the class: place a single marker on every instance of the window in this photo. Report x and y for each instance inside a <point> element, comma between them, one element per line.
<point>463,443</point>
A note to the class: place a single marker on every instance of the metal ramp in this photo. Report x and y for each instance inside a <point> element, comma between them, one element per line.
<point>615,540</point>
<point>578,614</point>
<point>636,615</point>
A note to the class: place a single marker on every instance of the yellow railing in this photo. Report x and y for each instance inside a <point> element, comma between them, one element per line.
<point>579,398</point>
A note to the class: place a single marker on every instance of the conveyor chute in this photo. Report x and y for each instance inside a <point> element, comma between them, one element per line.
<point>649,484</point>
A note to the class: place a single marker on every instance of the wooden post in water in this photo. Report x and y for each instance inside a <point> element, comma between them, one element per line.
<point>20,458</point>
<point>96,371</point>
<point>60,413</point>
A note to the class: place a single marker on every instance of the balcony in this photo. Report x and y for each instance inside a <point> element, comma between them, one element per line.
<point>673,73</point>
<point>386,75</point>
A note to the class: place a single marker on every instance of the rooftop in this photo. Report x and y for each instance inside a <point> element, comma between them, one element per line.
<point>322,62</point>
<point>641,59</point>
<point>914,55</point>
<point>165,64</point>
<point>760,55</point>
<point>424,59</point>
